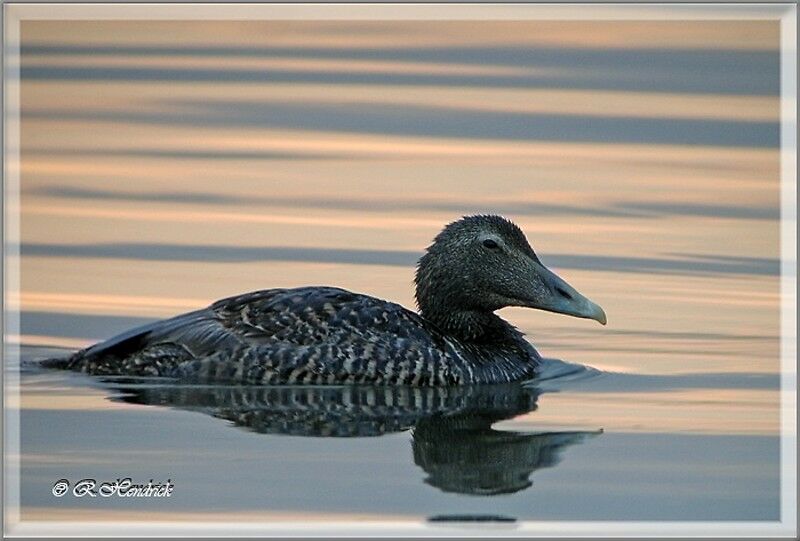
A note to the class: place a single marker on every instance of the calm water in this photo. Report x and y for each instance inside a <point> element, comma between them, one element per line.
<point>166,165</point>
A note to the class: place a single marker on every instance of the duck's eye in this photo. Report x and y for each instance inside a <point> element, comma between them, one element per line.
<point>489,243</point>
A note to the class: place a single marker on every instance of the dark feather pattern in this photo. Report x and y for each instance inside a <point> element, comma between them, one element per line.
<point>310,335</point>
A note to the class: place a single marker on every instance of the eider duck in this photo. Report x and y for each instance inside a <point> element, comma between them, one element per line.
<point>326,335</point>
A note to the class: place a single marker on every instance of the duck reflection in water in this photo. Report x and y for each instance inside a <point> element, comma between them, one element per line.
<point>452,436</point>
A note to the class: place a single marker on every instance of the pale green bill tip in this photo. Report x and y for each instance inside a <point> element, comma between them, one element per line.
<point>597,314</point>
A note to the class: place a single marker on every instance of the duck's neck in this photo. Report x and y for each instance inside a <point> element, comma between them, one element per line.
<point>450,301</point>
<point>466,325</point>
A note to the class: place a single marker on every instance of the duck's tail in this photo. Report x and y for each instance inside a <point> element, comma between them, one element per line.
<point>114,348</point>
<point>148,349</point>
<point>60,363</point>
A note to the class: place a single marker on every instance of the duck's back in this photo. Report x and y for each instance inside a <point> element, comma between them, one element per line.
<point>314,315</point>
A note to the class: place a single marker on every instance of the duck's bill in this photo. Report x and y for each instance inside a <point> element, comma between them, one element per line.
<point>563,299</point>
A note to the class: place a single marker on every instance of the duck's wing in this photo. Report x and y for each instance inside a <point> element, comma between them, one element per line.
<point>197,334</point>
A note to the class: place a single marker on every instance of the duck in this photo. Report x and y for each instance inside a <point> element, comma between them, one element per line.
<point>322,335</point>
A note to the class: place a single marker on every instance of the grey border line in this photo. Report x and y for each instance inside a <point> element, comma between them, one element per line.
<point>10,319</point>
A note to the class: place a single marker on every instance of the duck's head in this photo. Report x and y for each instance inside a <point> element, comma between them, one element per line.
<point>482,263</point>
